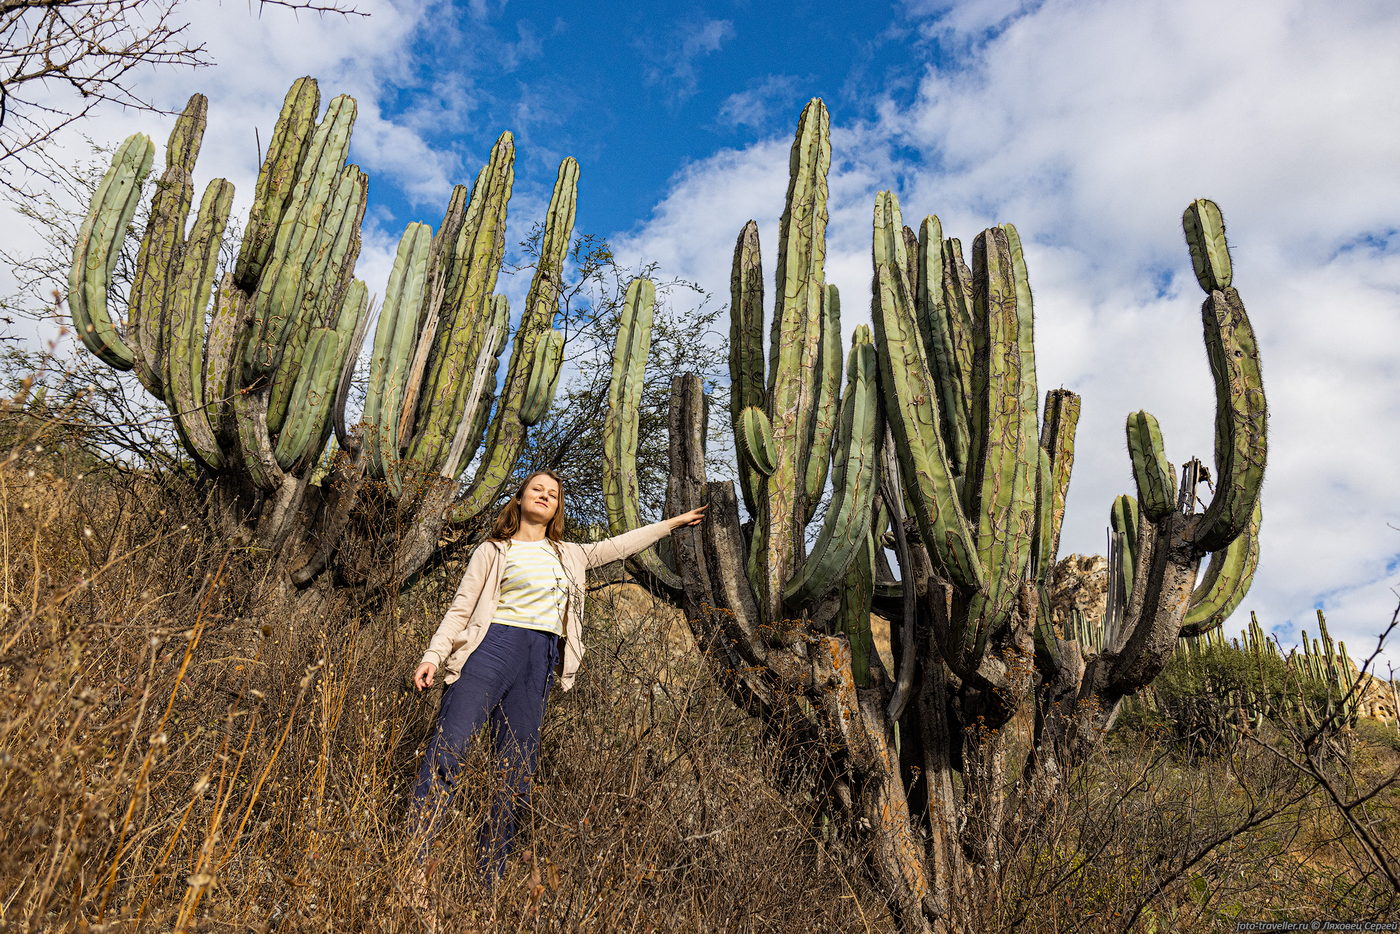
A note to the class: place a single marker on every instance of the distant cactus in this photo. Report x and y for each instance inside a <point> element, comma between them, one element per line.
<point>258,383</point>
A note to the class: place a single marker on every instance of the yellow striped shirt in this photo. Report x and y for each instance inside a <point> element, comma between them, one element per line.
<point>533,588</point>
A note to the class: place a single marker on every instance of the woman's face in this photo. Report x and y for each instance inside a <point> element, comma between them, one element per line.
<point>540,500</point>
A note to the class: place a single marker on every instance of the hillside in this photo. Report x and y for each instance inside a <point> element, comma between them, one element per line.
<point>187,744</point>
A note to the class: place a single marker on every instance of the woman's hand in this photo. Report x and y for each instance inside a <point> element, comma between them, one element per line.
<point>423,677</point>
<point>694,517</point>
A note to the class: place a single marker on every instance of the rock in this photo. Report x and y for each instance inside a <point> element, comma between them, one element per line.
<point>1079,582</point>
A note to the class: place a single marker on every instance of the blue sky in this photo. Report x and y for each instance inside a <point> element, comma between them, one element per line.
<point>1089,123</point>
<point>635,92</point>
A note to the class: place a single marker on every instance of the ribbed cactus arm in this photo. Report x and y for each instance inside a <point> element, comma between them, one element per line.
<point>507,432</point>
<point>277,180</point>
<point>621,489</point>
<point>1057,433</point>
<point>466,310</point>
<point>755,436</point>
<point>1241,411</point>
<point>184,353</point>
<point>98,245</point>
<point>1154,476</point>
<point>911,405</point>
<point>1226,581</point>
<point>793,355</point>
<point>544,377</point>
<point>947,341</point>
<point>324,277</point>
<point>828,401</point>
<point>1002,468</point>
<point>394,341</point>
<point>283,282</point>
<point>846,529</point>
<point>747,377</point>
<point>148,326</point>
<point>1123,520</point>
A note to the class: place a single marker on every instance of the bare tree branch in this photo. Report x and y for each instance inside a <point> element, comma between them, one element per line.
<point>60,60</point>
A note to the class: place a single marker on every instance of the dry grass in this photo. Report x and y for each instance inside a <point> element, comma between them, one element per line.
<point>185,745</point>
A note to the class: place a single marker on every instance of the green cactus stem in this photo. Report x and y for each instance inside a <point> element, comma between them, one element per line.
<point>544,377</point>
<point>620,483</point>
<point>1228,577</point>
<point>911,406</point>
<point>1057,432</point>
<point>1205,236</point>
<point>186,299</point>
<point>394,342</point>
<point>748,387</point>
<point>149,301</point>
<point>756,440</point>
<point>98,245</point>
<point>506,435</point>
<point>794,349</point>
<point>469,281</point>
<point>324,193</point>
<point>1154,476</point>
<point>1241,441</point>
<point>1000,468</point>
<point>828,401</point>
<point>277,181</point>
<point>845,529</point>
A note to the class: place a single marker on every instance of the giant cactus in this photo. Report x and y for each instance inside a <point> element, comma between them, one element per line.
<point>258,383</point>
<point>982,478</point>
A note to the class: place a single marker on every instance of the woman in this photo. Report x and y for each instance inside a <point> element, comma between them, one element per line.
<point>514,625</point>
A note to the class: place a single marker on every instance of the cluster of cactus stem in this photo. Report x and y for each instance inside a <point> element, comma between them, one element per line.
<point>1311,686</point>
<point>938,448</point>
<point>258,381</point>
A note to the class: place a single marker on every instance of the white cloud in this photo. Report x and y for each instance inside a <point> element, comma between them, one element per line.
<point>1091,125</point>
<point>674,51</point>
<point>756,105</point>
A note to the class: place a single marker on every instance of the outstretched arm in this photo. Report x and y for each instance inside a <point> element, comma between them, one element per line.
<point>629,543</point>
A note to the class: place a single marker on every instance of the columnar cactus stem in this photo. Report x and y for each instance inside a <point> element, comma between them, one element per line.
<point>847,522</point>
<point>748,387</point>
<point>1228,576</point>
<point>506,435</point>
<point>794,351</point>
<point>620,483</point>
<point>1057,432</point>
<point>97,247</point>
<point>319,202</point>
<point>828,400</point>
<point>184,356</point>
<point>1154,476</point>
<point>394,342</point>
<point>910,402</point>
<point>148,306</point>
<point>277,181</point>
<point>1241,444</point>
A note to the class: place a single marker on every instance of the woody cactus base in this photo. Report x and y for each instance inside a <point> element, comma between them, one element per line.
<point>258,381</point>
<point>937,449</point>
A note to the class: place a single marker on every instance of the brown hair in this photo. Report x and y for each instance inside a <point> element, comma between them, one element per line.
<point>508,520</point>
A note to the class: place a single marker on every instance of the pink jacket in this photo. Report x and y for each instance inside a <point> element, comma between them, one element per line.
<point>474,606</point>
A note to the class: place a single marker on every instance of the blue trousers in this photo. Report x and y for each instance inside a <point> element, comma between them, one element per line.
<point>503,687</point>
